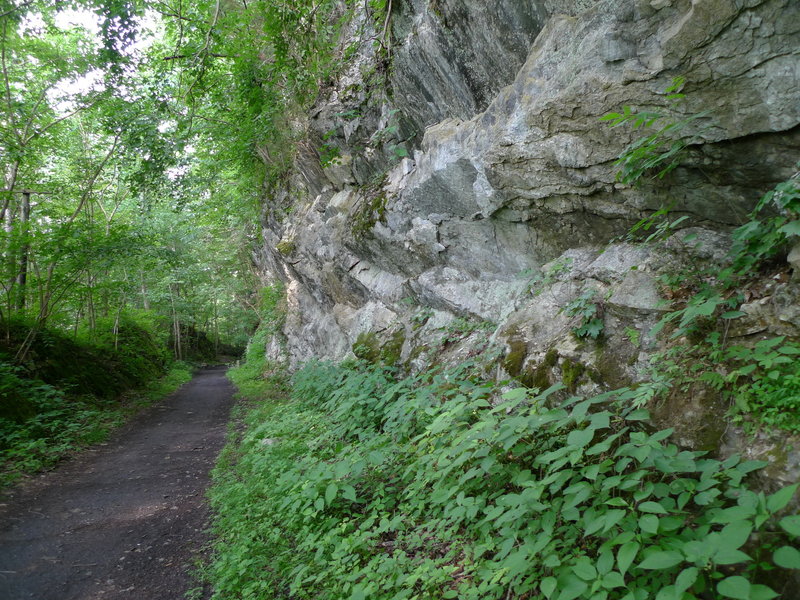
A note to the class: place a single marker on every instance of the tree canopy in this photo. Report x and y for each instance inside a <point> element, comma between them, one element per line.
<point>135,138</point>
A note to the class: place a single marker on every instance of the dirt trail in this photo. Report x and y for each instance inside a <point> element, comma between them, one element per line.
<point>126,519</point>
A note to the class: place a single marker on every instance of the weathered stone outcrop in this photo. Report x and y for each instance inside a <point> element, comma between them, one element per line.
<point>469,193</point>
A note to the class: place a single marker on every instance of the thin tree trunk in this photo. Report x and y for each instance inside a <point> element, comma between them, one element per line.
<point>22,275</point>
<point>176,327</point>
<point>90,310</point>
<point>145,301</point>
<point>216,327</point>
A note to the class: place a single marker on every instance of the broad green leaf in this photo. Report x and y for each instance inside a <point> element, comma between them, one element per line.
<point>734,514</point>
<point>640,414</point>
<point>734,535</point>
<point>781,498</point>
<point>652,507</point>
<point>648,523</point>
<point>787,557</point>
<point>662,435</point>
<point>735,587</point>
<point>580,437</point>
<point>375,457</point>
<point>573,589</point>
<point>612,580</point>
<point>791,525</point>
<point>605,562</point>
<point>616,502</point>
<point>547,586</point>
<point>751,465</point>
<point>685,580</point>
<point>791,228</point>
<point>626,555</point>
<point>762,592</point>
<point>730,556</point>
<point>612,517</point>
<point>330,493</point>
<point>584,569</point>
<point>349,493</point>
<point>668,593</point>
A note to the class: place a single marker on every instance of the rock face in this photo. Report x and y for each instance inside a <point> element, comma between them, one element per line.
<point>466,199</point>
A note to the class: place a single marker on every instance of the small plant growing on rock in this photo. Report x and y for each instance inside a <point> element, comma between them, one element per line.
<point>588,314</point>
<point>661,150</point>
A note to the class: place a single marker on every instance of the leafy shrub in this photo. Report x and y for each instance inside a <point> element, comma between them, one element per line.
<point>587,312</point>
<point>58,424</point>
<point>103,365</point>
<point>361,485</point>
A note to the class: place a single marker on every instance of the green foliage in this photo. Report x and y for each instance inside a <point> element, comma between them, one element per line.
<point>102,366</point>
<point>361,485</point>
<point>540,280</point>
<point>766,234</point>
<point>272,309</point>
<point>372,210</point>
<point>587,311</point>
<point>253,376</point>
<point>660,151</point>
<point>460,328</point>
<point>760,381</point>
<point>661,225</point>
<point>249,376</point>
<point>40,424</point>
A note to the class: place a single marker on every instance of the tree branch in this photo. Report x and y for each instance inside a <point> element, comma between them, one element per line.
<point>15,9</point>
<point>213,54</point>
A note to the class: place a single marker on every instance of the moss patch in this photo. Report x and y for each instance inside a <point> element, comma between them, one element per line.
<point>608,364</point>
<point>391,351</point>
<point>367,347</point>
<point>516,356</point>
<point>540,376</point>
<point>285,248</point>
<point>372,211</point>
<point>571,374</point>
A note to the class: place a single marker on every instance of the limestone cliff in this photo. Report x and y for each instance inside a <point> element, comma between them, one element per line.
<point>457,189</point>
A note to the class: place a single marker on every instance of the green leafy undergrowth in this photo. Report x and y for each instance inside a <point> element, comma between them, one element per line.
<point>254,375</point>
<point>101,364</point>
<point>361,485</point>
<point>41,424</point>
<point>587,313</point>
<point>759,378</point>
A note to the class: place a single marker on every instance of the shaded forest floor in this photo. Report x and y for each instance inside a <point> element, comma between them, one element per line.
<point>127,518</point>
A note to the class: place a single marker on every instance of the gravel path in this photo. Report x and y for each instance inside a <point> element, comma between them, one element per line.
<point>126,519</point>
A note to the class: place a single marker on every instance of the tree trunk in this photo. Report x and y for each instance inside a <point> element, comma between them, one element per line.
<point>22,275</point>
<point>216,327</point>
<point>145,301</point>
<point>176,327</point>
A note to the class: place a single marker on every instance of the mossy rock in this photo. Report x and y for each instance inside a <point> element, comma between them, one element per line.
<point>367,347</point>
<point>416,352</point>
<point>572,373</point>
<point>392,350</point>
<point>372,211</point>
<point>610,361</point>
<point>540,376</point>
<point>515,358</point>
<point>286,247</point>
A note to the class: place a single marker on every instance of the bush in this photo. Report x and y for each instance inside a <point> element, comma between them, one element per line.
<point>360,485</point>
<point>68,392</point>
